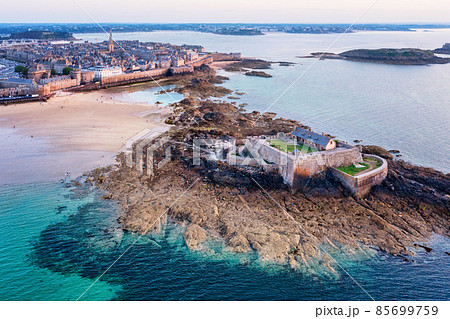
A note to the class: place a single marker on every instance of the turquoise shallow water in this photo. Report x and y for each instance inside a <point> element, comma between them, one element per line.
<point>52,252</point>
<point>140,94</point>
<point>26,211</point>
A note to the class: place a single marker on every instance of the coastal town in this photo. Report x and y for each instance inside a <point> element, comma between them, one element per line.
<point>33,70</point>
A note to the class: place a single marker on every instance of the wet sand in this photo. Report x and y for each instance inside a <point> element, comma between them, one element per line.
<point>69,133</point>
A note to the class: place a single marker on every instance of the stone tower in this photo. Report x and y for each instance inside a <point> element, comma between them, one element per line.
<point>76,74</point>
<point>111,42</point>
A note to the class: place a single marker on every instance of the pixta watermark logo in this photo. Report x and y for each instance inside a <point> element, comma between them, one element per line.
<point>144,150</point>
<point>253,151</point>
<point>141,149</point>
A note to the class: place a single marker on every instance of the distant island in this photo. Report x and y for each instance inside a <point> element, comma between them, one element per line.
<point>238,32</point>
<point>340,28</point>
<point>386,56</point>
<point>216,28</point>
<point>41,35</point>
<point>444,50</point>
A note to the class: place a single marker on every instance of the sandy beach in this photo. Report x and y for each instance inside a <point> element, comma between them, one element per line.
<point>69,133</point>
<point>219,65</point>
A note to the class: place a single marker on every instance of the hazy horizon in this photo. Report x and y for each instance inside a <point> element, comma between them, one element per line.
<point>230,11</point>
<point>236,23</point>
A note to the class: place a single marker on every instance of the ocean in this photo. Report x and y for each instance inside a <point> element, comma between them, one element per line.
<point>55,241</point>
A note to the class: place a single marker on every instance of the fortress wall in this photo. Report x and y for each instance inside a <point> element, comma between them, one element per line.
<point>87,77</point>
<point>133,77</point>
<point>240,160</point>
<point>283,161</point>
<point>308,165</point>
<point>206,60</point>
<point>42,90</point>
<point>272,154</point>
<point>361,185</point>
<point>182,70</point>
<point>223,57</point>
<point>293,169</point>
<point>61,84</point>
<point>302,166</point>
<point>25,90</point>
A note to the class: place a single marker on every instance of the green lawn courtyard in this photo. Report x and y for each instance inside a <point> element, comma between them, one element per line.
<point>353,169</point>
<point>369,164</point>
<point>290,147</point>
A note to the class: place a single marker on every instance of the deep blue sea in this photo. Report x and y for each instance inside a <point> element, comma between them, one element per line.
<point>55,241</point>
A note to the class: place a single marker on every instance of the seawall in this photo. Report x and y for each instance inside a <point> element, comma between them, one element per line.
<point>134,77</point>
<point>308,165</point>
<point>296,168</point>
<point>360,185</point>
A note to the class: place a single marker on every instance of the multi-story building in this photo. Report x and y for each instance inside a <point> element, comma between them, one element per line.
<point>104,72</point>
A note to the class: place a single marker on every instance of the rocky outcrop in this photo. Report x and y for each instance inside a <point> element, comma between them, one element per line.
<point>286,227</point>
<point>194,236</point>
<point>227,119</point>
<point>238,243</point>
<point>444,50</point>
<point>247,64</point>
<point>202,84</point>
<point>258,73</point>
<point>386,56</point>
<point>376,150</point>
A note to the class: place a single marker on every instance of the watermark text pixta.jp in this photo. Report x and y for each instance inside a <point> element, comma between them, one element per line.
<point>385,311</point>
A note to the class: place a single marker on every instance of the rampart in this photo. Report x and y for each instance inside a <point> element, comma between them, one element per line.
<point>224,57</point>
<point>360,185</point>
<point>181,69</point>
<point>23,92</point>
<point>127,78</point>
<point>295,168</point>
<point>207,60</point>
<point>61,84</point>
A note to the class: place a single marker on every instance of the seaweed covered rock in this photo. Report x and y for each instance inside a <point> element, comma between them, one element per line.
<point>194,236</point>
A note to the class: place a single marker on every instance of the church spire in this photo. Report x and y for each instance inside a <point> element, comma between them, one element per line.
<point>111,42</point>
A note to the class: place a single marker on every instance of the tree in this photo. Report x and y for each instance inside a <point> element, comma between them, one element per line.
<point>66,70</point>
<point>53,72</point>
<point>21,69</point>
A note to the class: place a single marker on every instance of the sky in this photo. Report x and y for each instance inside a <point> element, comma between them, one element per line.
<point>225,11</point>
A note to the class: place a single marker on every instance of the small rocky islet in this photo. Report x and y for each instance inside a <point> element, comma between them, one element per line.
<point>297,227</point>
<point>405,56</point>
<point>260,74</point>
<point>445,49</point>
